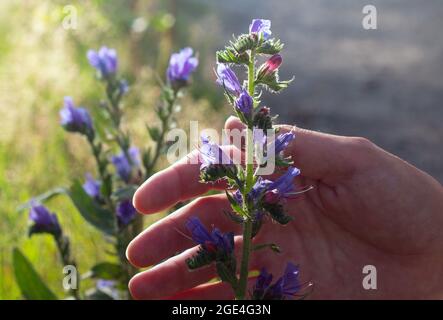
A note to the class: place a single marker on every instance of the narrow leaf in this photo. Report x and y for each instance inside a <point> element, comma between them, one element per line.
<point>101,218</point>
<point>28,280</point>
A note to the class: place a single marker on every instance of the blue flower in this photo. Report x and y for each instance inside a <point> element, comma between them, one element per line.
<point>124,165</point>
<point>214,242</point>
<point>181,65</point>
<point>258,190</point>
<point>212,154</point>
<point>75,119</point>
<point>282,141</point>
<point>244,103</point>
<point>282,187</point>
<point>104,60</point>
<point>227,78</point>
<point>92,186</point>
<point>284,288</point>
<point>43,221</point>
<point>261,26</point>
<point>125,212</point>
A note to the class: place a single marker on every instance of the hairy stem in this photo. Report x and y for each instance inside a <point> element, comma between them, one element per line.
<point>247,225</point>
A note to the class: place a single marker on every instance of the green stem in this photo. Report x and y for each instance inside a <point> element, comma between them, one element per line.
<point>160,141</point>
<point>247,226</point>
<point>64,250</point>
<point>244,268</point>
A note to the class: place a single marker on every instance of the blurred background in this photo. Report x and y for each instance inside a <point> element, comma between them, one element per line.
<point>384,84</point>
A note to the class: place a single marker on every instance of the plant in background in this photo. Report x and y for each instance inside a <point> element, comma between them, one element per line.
<point>105,201</point>
<point>252,196</point>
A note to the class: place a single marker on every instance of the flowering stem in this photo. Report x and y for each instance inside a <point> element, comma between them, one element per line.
<point>247,225</point>
<point>64,250</point>
<point>160,141</point>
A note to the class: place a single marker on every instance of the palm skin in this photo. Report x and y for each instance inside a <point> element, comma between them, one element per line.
<point>367,207</point>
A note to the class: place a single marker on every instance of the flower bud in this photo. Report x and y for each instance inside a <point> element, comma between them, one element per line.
<point>75,119</point>
<point>270,66</point>
<point>104,61</point>
<point>181,66</point>
<point>244,103</point>
<point>43,221</point>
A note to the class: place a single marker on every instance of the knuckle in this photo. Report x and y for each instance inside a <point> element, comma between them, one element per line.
<point>361,144</point>
<point>201,202</point>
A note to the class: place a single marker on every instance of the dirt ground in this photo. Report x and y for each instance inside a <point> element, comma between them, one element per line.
<point>384,84</point>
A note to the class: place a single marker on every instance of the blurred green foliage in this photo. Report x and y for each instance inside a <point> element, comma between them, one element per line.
<point>40,62</point>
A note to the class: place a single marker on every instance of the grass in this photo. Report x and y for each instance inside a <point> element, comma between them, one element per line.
<point>40,62</point>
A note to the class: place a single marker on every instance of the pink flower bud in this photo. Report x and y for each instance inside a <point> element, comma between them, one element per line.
<point>273,63</point>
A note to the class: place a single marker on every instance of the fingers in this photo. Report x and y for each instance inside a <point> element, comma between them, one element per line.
<point>173,276</point>
<point>319,156</point>
<point>179,182</point>
<point>168,278</point>
<point>210,291</point>
<point>168,236</point>
<point>169,186</point>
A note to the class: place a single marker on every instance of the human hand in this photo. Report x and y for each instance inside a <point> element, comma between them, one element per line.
<point>367,207</point>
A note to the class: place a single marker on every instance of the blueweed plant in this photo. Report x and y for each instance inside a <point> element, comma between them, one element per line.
<point>105,199</point>
<point>252,196</point>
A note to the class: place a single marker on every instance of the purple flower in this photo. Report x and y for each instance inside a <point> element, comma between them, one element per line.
<point>213,242</point>
<point>256,193</point>
<point>282,141</point>
<point>244,103</point>
<point>284,288</point>
<point>108,287</point>
<point>125,212</point>
<point>124,165</point>
<point>261,26</point>
<point>211,153</point>
<point>227,78</point>
<point>259,188</point>
<point>75,119</point>
<point>104,60</point>
<point>181,65</point>
<point>262,283</point>
<point>92,186</point>
<point>282,187</point>
<point>43,221</point>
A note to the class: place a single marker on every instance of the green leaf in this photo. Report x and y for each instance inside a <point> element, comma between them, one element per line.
<point>226,272</point>
<point>28,280</point>
<point>245,42</point>
<point>272,82</point>
<point>200,259</point>
<point>235,205</point>
<point>101,218</point>
<point>106,271</point>
<point>43,197</point>
<point>271,46</point>
<point>154,132</point>
<point>229,55</point>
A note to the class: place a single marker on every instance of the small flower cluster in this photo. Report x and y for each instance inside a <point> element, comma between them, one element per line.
<point>106,201</point>
<point>254,197</point>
